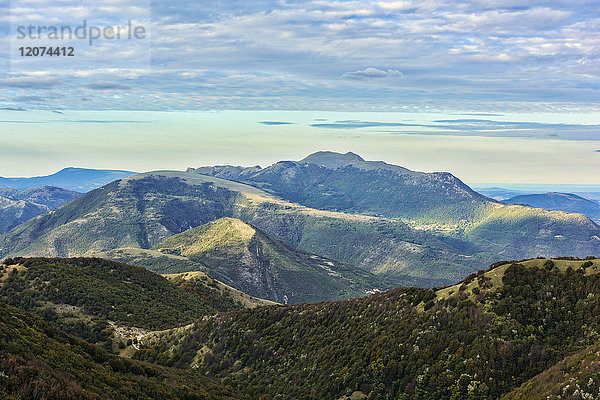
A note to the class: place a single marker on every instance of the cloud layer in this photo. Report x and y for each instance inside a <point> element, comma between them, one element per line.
<point>478,56</point>
<point>476,127</point>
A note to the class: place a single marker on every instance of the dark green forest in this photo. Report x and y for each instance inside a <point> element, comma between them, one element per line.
<point>520,330</point>
<point>38,361</point>
<point>100,290</point>
<point>479,343</point>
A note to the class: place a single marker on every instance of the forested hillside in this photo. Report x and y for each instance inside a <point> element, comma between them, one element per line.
<point>90,297</point>
<point>480,339</point>
<point>38,361</point>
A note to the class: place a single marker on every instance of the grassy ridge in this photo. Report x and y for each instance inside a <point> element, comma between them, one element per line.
<point>248,259</point>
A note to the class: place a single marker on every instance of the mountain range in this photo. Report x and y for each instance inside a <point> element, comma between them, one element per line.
<point>75,179</point>
<point>410,228</point>
<point>560,201</point>
<point>17,207</point>
<point>246,254</point>
<point>144,210</point>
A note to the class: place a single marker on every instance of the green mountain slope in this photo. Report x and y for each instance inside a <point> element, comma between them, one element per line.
<point>438,203</point>
<point>560,201</point>
<point>38,361</point>
<point>144,210</point>
<point>575,377</point>
<point>480,339</point>
<point>138,212</point>
<point>248,259</point>
<point>93,298</point>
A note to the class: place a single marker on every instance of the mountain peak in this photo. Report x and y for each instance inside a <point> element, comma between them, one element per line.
<point>333,160</point>
<point>332,157</point>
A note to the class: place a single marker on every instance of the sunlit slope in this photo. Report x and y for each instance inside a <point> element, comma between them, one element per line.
<point>513,231</point>
<point>251,261</point>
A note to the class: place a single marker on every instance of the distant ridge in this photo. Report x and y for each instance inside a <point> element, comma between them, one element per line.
<point>76,179</point>
<point>560,201</point>
<point>17,207</point>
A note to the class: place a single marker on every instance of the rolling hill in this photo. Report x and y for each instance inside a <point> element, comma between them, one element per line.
<point>76,179</point>
<point>100,300</point>
<point>509,331</point>
<point>251,261</point>
<point>560,201</point>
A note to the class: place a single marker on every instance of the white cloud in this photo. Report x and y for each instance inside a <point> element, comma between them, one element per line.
<point>370,72</point>
<point>289,54</point>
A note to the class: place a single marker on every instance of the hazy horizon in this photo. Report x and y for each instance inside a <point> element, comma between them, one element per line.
<point>503,148</point>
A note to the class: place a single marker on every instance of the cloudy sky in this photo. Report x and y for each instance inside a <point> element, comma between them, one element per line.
<point>439,85</point>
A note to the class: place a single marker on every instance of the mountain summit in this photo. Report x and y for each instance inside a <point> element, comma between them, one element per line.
<point>333,160</point>
<point>346,182</point>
